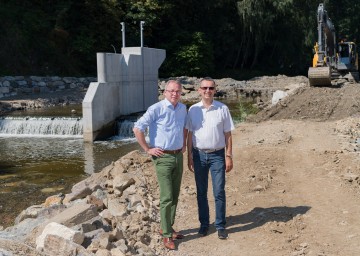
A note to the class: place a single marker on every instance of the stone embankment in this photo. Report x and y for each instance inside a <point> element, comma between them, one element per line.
<point>49,91</point>
<point>263,87</point>
<point>20,92</point>
<point>17,86</point>
<point>11,86</point>
<point>113,212</point>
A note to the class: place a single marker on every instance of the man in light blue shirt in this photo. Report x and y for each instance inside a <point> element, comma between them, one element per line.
<point>167,134</point>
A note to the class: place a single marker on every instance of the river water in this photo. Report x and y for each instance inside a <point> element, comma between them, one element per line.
<point>36,166</point>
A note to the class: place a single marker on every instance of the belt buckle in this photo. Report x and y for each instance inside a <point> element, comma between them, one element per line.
<point>172,152</point>
<point>206,150</point>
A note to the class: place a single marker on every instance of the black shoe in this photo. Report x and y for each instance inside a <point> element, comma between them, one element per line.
<point>203,231</point>
<point>222,234</point>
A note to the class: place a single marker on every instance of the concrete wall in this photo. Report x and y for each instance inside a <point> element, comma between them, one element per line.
<point>127,83</point>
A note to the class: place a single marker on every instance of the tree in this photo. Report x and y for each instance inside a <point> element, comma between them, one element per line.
<point>258,20</point>
<point>191,54</point>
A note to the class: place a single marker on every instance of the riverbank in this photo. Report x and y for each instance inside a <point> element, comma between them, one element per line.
<point>260,87</point>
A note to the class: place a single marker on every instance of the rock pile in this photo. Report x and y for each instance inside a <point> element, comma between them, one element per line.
<point>113,212</point>
<point>229,88</point>
<point>54,91</point>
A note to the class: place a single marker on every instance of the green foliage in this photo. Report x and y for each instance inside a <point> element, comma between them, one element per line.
<point>239,38</point>
<point>345,16</point>
<point>244,109</point>
<point>193,55</point>
<point>150,12</point>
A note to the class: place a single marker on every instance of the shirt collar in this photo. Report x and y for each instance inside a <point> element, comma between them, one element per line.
<point>213,105</point>
<point>167,103</point>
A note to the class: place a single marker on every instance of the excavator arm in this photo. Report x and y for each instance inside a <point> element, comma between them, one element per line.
<point>325,50</point>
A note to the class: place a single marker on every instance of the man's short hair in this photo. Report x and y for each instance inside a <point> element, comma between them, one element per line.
<point>172,81</point>
<point>207,78</point>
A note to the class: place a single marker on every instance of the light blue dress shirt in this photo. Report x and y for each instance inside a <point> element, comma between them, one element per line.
<point>166,125</point>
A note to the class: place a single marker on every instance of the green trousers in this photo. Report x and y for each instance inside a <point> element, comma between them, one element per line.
<point>169,169</point>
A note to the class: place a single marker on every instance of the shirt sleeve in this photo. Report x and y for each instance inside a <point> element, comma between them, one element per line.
<point>228,122</point>
<point>145,120</point>
<point>188,122</point>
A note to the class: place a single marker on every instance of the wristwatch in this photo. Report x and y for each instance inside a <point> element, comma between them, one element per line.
<point>231,156</point>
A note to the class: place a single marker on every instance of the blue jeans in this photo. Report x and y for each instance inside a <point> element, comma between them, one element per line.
<point>215,162</point>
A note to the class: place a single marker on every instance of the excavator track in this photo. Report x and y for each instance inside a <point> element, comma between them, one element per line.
<point>355,75</point>
<point>319,76</point>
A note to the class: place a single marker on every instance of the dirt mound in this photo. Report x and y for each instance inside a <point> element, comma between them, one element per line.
<point>315,103</point>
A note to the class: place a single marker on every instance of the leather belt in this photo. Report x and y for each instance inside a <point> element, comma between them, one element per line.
<point>208,150</point>
<point>172,152</point>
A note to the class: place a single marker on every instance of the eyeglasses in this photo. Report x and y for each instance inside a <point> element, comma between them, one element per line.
<point>210,88</point>
<point>176,92</point>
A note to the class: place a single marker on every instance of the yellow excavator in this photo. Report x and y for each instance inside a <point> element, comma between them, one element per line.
<point>331,59</point>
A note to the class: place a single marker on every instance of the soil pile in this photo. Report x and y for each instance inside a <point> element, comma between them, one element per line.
<point>316,103</point>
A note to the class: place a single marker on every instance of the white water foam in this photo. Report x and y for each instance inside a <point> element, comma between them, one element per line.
<point>41,126</point>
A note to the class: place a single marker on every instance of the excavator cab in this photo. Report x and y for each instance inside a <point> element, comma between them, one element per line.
<point>347,59</point>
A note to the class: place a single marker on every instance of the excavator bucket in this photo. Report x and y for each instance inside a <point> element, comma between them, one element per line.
<point>319,76</point>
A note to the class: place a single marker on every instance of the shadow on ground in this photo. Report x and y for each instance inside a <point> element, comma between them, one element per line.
<point>253,219</point>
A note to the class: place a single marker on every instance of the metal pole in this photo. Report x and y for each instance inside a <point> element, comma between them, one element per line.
<point>123,33</point>
<point>142,56</point>
<point>141,32</point>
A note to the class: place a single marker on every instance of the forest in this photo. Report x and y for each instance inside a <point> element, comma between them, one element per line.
<point>218,38</point>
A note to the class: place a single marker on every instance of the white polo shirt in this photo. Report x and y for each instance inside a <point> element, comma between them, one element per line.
<point>209,125</point>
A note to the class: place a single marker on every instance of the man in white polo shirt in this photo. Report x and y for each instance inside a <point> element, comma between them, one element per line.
<point>209,145</point>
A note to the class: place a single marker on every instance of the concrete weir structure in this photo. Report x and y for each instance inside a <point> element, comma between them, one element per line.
<point>127,83</point>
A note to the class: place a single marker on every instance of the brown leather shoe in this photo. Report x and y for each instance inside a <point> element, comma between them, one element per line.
<point>175,235</point>
<point>169,243</point>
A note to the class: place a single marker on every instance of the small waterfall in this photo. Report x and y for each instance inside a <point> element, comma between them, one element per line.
<point>41,126</point>
<point>125,129</point>
<point>57,126</point>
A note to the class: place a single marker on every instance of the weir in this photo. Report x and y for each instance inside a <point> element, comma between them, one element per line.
<point>41,126</point>
<point>57,127</point>
<point>127,83</point>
